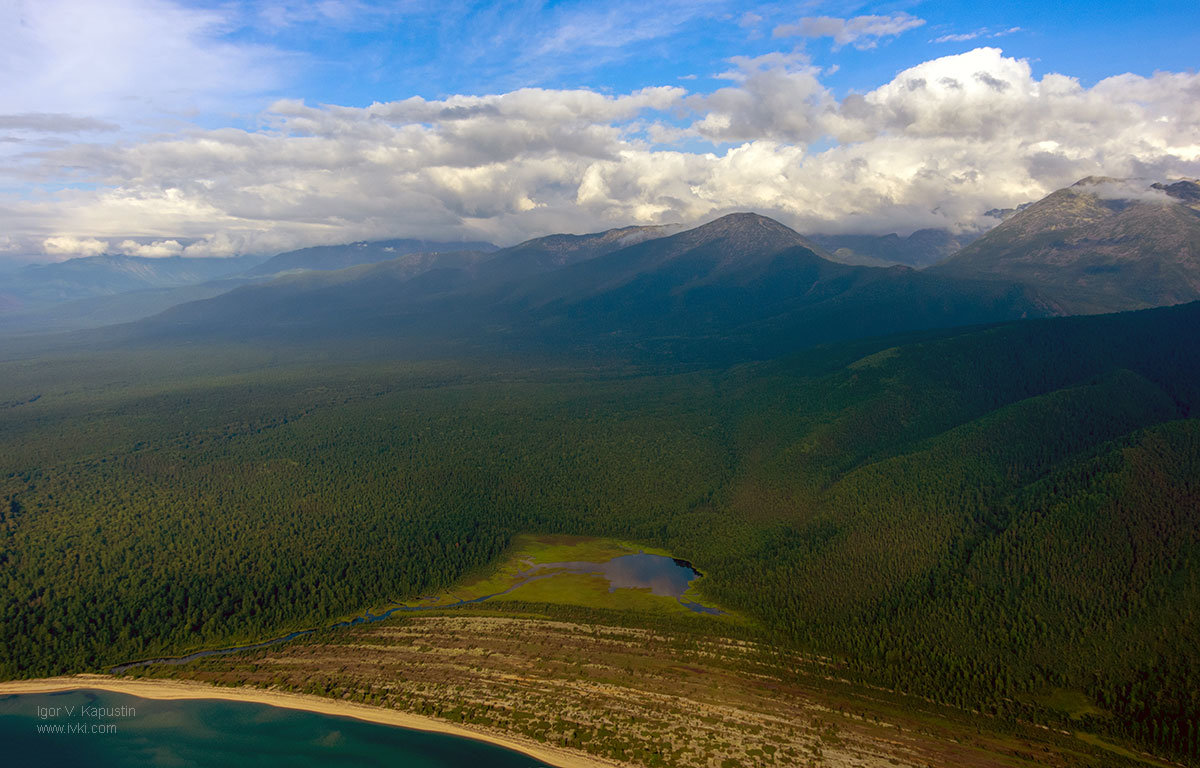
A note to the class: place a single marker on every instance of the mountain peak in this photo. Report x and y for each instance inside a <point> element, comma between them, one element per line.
<point>1092,181</point>
<point>1100,245</point>
<point>742,238</point>
<point>745,221</point>
<point>747,232</point>
<point>1187,191</point>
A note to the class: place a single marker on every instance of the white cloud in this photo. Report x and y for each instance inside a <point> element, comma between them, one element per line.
<point>225,244</point>
<point>936,146</point>
<point>959,38</point>
<point>1124,189</point>
<point>964,36</point>
<point>277,15</point>
<point>512,44</point>
<point>158,249</point>
<point>124,60</point>
<point>602,26</point>
<point>776,96</point>
<point>73,246</point>
<point>861,31</point>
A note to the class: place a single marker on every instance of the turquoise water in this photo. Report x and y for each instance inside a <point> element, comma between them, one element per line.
<point>221,734</point>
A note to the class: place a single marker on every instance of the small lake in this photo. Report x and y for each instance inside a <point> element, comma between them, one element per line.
<point>216,733</point>
<point>663,576</point>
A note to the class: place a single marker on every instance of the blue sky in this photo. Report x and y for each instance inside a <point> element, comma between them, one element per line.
<point>239,126</point>
<point>357,53</point>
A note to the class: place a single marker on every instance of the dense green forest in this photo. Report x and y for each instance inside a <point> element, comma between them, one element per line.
<point>986,517</point>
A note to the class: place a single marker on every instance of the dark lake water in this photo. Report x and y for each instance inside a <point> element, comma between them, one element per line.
<point>663,576</point>
<point>221,734</point>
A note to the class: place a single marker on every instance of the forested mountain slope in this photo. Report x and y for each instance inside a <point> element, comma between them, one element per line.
<point>988,517</point>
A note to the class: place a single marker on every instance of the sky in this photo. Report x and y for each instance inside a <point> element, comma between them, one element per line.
<point>227,127</point>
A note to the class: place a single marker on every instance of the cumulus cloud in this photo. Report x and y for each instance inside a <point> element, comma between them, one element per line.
<point>67,246</point>
<point>862,32</point>
<point>158,249</point>
<point>226,244</point>
<point>776,96</point>
<point>936,146</point>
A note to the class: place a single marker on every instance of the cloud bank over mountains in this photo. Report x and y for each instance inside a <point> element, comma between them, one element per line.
<point>936,146</point>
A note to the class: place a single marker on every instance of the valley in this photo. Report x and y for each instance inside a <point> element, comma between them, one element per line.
<point>915,508</point>
<point>619,577</point>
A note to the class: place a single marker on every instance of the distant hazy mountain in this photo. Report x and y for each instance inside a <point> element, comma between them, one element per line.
<point>102,290</point>
<point>330,257</point>
<point>921,249</point>
<point>1099,245</point>
<point>40,285</point>
<point>741,286</point>
<point>97,311</point>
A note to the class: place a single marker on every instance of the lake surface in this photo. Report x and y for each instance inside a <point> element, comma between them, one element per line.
<point>219,734</point>
<point>665,576</point>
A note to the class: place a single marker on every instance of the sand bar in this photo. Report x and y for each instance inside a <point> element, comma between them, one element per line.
<point>187,689</point>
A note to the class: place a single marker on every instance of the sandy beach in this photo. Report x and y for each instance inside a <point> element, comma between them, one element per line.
<point>178,689</point>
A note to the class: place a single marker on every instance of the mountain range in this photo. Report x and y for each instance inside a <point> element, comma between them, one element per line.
<point>922,248</point>
<point>330,257</point>
<point>744,284</point>
<point>1100,245</point>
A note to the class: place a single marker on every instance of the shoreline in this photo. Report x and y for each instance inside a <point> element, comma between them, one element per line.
<point>189,689</point>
